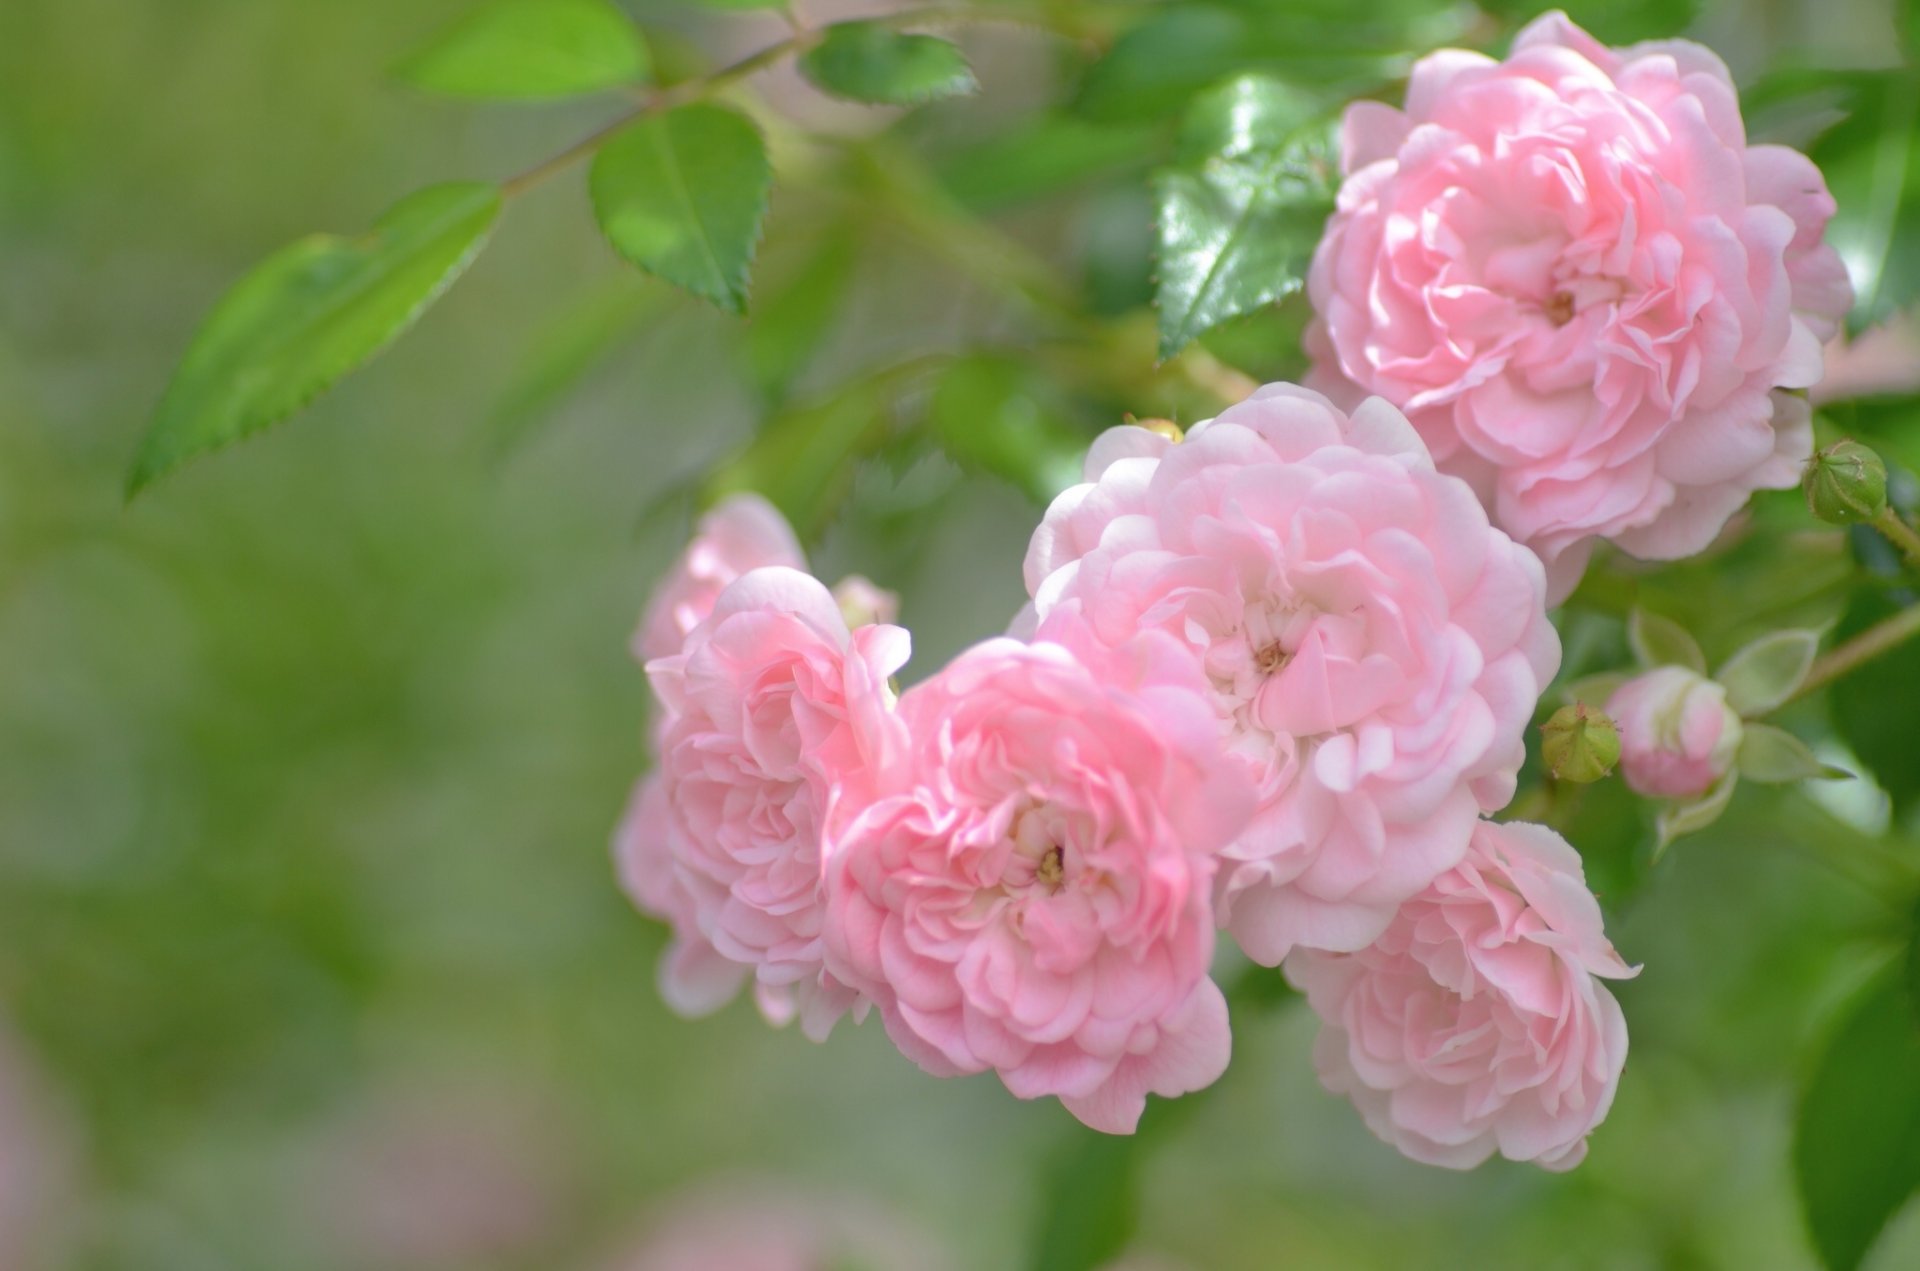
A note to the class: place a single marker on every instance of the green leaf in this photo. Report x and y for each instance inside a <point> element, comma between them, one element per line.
<point>1856,1148</point>
<point>805,459</point>
<point>1764,674</point>
<point>1044,156</point>
<point>682,196</point>
<point>533,49</point>
<point>1609,21</point>
<point>1913,966</point>
<point>870,62</point>
<point>1774,756</point>
<point>1237,233</point>
<point>791,320</point>
<point>1248,114</point>
<point>1089,1198</point>
<point>989,415</point>
<point>306,316</point>
<point>1872,165</point>
<point>1678,819</point>
<point>1658,641</point>
<point>1873,709</point>
<point>559,357</point>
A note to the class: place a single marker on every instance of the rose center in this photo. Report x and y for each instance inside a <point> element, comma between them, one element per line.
<point>1559,308</point>
<point>1270,658</point>
<point>1051,871</point>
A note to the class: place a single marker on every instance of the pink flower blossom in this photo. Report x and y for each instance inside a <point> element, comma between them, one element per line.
<point>741,532</point>
<point>1678,736</point>
<point>1029,892</point>
<point>778,719</point>
<point>1582,285</point>
<point>1375,649</point>
<point>1475,1023</point>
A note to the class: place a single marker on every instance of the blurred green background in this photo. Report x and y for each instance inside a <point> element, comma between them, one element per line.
<point>308,759</point>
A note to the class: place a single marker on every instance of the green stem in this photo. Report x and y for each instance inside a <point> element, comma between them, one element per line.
<point>1887,634</point>
<point>702,87</point>
<point>1900,534</point>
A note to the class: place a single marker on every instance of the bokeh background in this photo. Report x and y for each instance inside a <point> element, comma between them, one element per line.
<point>310,956</point>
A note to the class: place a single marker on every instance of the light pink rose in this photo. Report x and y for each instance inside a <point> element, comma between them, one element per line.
<point>1029,893</point>
<point>1678,736</point>
<point>778,718</point>
<point>1475,1023</point>
<point>741,532</point>
<point>1582,285</point>
<point>1374,647</point>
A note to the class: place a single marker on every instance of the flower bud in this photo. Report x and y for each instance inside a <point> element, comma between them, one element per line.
<point>1678,736</point>
<point>1846,483</point>
<point>863,604</point>
<point>1579,744</point>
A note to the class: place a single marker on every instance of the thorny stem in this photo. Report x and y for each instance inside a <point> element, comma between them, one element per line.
<point>1887,634</point>
<point>701,87</point>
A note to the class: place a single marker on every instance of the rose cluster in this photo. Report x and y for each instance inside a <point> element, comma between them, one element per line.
<point>1276,673</point>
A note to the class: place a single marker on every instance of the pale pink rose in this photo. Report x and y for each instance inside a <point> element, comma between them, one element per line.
<point>746,1224</point>
<point>1582,285</point>
<point>1375,648</point>
<point>1678,736</point>
<point>778,718</point>
<point>741,532</point>
<point>1475,1023</point>
<point>1029,893</point>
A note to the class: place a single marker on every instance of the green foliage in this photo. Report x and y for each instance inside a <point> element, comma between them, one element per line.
<point>1873,708</point>
<point>309,314</point>
<point>1090,1199</point>
<point>533,49</point>
<point>559,356</point>
<point>682,196</point>
<point>1610,21</point>
<point>990,415</point>
<point>1856,1150</point>
<point>1045,155</point>
<point>1773,755</point>
<point>1658,641</point>
<point>1871,160</point>
<point>1237,231</point>
<point>792,319</point>
<point>1764,674</point>
<point>871,62</point>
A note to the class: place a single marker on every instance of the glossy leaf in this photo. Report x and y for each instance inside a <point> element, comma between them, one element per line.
<point>682,196</point>
<point>1764,674</point>
<point>1249,114</point>
<point>1856,1149</point>
<point>1237,234</point>
<point>533,49</point>
<point>308,315</point>
<point>1658,641</point>
<point>1873,708</point>
<point>989,416</point>
<point>1871,161</point>
<point>871,62</point>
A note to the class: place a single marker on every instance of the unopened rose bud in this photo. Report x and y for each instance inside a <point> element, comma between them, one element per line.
<point>1845,484</point>
<point>863,604</point>
<point>1678,735</point>
<point>1579,744</point>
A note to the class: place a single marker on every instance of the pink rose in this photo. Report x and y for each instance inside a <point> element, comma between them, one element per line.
<point>779,719</point>
<point>1678,736</point>
<point>1475,1023</point>
<point>741,532</point>
<point>1375,649</point>
<point>1582,285</point>
<point>1029,892</point>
